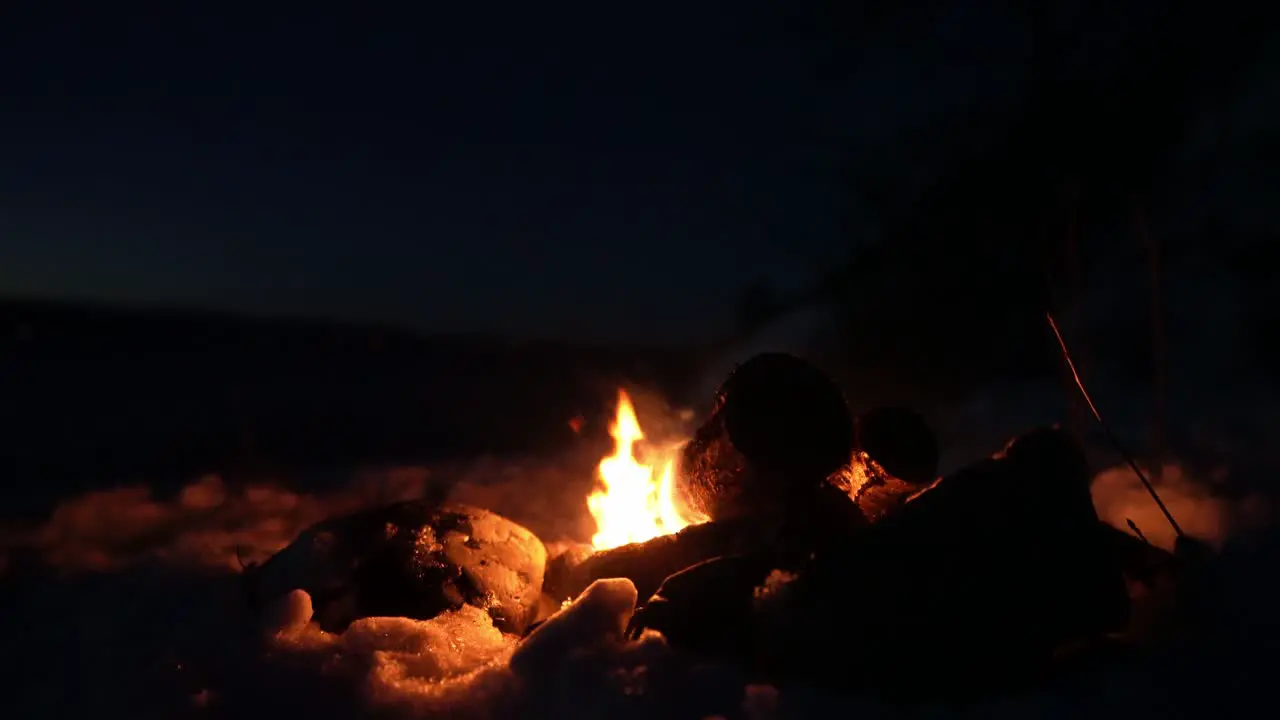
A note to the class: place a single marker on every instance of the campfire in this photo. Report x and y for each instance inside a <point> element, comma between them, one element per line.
<point>637,500</point>
<point>1012,542</point>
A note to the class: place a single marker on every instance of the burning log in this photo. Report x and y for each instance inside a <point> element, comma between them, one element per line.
<point>645,564</point>
<point>757,469</point>
<point>412,559</point>
<point>782,538</point>
<point>897,455</point>
<point>1004,560</point>
<point>779,426</point>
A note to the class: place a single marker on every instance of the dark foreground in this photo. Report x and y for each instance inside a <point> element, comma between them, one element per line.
<point>160,629</point>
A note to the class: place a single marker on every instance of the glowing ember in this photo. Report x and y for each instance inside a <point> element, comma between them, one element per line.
<point>632,504</point>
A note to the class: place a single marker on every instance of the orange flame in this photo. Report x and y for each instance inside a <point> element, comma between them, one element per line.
<point>632,505</point>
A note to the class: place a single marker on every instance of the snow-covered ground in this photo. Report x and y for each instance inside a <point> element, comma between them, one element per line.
<point>145,618</point>
<point>139,611</point>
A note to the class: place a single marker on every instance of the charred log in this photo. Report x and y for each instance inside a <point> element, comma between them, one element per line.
<point>778,428</point>
<point>707,608</point>
<point>1007,555</point>
<point>721,608</point>
<point>900,441</point>
<point>980,579</point>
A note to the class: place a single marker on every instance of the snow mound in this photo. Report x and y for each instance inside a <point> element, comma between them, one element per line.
<point>1201,508</point>
<point>458,665</point>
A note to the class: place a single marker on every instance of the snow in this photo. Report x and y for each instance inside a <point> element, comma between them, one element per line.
<point>1120,496</point>
<point>459,666</point>
<point>139,612</point>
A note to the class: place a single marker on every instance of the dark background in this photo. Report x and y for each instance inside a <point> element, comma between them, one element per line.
<point>265,241</point>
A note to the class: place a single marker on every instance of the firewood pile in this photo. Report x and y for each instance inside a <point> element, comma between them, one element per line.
<point>833,553</point>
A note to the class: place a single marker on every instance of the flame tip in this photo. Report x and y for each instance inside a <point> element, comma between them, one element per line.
<point>633,505</point>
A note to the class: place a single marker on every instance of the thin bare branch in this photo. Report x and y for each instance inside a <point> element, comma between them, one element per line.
<point>1066,355</point>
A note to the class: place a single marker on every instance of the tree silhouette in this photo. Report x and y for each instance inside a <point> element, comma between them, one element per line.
<point>955,290</point>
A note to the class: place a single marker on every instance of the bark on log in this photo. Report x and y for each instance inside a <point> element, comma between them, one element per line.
<point>900,441</point>
<point>646,564</point>
<point>1008,554</point>
<point>786,536</point>
<point>779,426</point>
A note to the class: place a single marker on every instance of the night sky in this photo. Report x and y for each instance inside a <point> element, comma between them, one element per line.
<point>600,174</point>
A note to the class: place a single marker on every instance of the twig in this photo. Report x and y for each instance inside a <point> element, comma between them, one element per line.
<point>1066,355</point>
<point>1134,527</point>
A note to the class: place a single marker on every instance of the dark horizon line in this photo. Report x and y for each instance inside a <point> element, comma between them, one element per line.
<point>88,305</point>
